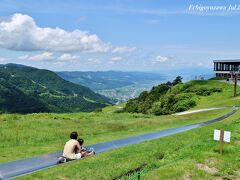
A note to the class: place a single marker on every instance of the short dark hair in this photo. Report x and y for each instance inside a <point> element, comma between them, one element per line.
<point>81,141</point>
<point>74,135</point>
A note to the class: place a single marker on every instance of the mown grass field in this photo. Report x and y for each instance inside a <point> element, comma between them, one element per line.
<point>35,134</point>
<point>113,108</point>
<point>188,155</point>
<point>224,98</point>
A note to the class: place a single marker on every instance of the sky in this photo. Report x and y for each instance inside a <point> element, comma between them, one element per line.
<point>126,35</point>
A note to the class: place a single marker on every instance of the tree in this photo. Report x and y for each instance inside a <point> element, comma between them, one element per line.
<point>177,80</point>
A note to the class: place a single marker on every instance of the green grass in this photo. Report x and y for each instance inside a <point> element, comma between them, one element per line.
<point>113,108</point>
<point>36,134</point>
<point>172,157</point>
<point>224,98</point>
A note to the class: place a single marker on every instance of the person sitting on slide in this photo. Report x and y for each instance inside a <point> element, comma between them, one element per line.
<point>71,147</point>
<point>84,151</point>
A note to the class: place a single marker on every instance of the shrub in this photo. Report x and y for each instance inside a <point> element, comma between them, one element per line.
<point>98,110</point>
<point>131,106</point>
<point>184,105</point>
<point>171,103</point>
<point>217,78</point>
<point>119,111</point>
<point>203,91</point>
<point>157,109</point>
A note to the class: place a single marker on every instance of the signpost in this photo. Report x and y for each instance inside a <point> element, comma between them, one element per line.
<point>221,141</point>
<point>234,74</point>
<point>222,136</point>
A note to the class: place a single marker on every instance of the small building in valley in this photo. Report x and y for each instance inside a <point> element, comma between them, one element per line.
<point>226,68</point>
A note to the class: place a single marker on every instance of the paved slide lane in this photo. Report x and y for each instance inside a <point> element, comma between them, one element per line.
<point>25,166</point>
<point>202,110</point>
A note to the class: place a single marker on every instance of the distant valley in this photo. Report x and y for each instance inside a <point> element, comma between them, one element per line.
<point>117,85</point>
<point>121,86</point>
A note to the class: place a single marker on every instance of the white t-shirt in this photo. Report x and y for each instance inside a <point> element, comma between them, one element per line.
<point>70,149</point>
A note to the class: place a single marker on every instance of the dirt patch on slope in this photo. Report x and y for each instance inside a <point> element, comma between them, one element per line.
<point>187,177</point>
<point>211,161</point>
<point>204,167</point>
<point>237,174</point>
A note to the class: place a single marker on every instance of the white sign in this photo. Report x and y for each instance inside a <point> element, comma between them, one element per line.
<point>226,135</point>
<point>216,135</point>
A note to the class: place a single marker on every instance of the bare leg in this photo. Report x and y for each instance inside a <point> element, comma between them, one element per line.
<point>85,154</point>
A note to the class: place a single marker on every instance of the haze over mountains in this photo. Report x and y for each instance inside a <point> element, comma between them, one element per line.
<point>117,85</point>
<point>101,80</point>
<point>26,89</point>
<point>121,86</point>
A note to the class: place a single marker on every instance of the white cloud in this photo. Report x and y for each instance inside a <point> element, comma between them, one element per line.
<point>68,57</point>
<point>42,57</point>
<point>38,57</point>
<point>94,60</point>
<point>200,64</point>
<point>60,63</point>
<point>2,59</point>
<point>23,57</point>
<point>49,56</point>
<point>161,59</point>
<point>123,49</point>
<point>116,58</point>
<point>20,32</point>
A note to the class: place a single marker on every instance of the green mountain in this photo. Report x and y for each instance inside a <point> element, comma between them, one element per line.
<point>172,97</point>
<point>26,89</point>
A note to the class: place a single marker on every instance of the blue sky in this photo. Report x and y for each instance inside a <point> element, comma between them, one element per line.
<point>128,35</point>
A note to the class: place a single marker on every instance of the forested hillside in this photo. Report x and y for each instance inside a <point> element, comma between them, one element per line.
<point>26,89</point>
<point>171,97</point>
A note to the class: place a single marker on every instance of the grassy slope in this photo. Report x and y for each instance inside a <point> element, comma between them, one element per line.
<point>181,153</point>
<point>203,150</point>
<point>193,146</point>
<point>183,96</point>
<point>113,108</point>
<point>224,98</point>
<point>42,133</point>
